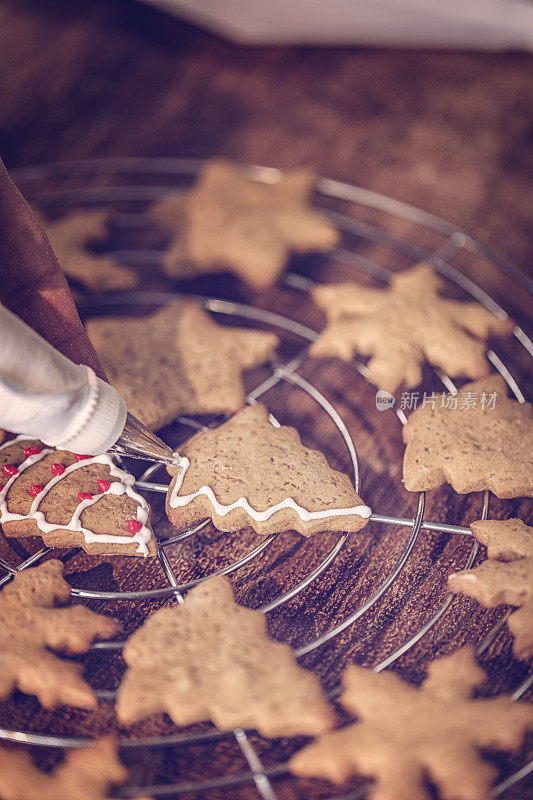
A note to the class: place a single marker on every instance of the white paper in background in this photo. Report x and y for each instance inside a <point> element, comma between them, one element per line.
<point>479,24</point>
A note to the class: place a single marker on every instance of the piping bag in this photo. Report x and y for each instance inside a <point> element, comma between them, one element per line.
<point>43,393</point>
<point>65,405</point>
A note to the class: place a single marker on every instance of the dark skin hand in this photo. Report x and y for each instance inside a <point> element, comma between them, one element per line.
<point>32,284</point>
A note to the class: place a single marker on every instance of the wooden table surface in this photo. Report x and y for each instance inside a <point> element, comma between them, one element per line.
<point>446,132</point>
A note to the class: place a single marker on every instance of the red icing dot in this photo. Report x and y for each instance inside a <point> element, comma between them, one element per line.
<point>9,469</point>
<point>36,489</point>
<point>31,451</point>
<point>84,496</point>
<point>80,456</point>
<point>57,469</point>
<point>134,526</point>
<point>104,485</point>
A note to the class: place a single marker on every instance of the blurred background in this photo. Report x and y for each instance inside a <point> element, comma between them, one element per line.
<point>430,103</point>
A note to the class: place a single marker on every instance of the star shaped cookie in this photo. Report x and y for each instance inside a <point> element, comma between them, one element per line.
<point>87,773</point>
<point>475,440</point>
<point>406,736</point>
<point>506,576</point>
<point>69,238</point>
<point>249,473</point>
<point>211,659</point>
<point>228,222</point>
<point>33,629</point>
<point>71,500</point>
<point>404,325</point>
<point>178,361</point>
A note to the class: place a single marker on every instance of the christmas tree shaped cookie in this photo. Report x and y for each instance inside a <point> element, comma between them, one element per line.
<point>211,659</point>
<point>229,222</point>
<point>71,499</point>
<point>178,361</point>
<point>406,735</point>
<point>249,473</point>
<point>477,439</point>
<point>404,325</point>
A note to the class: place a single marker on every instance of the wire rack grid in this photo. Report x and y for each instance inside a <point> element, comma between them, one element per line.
<point>261,779</point>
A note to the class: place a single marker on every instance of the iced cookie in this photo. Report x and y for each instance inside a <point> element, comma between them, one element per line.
<point>248,472</point>
<point>71,499</point>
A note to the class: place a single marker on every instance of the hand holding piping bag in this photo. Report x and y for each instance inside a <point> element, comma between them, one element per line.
<point>52,385</point>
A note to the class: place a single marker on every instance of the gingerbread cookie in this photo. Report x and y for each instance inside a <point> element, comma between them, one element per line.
<point>31,628</point>
<point>84,774</point>
<point>178,361</point>
<point>69,238</point>
<point>407,735</point>
<point>211,659</point>
<point>402,326</point>
<point>506,577</point>
<point>229,222</point>
<point>248,472</point>
<point>477,439</point>
<point>71,499</point>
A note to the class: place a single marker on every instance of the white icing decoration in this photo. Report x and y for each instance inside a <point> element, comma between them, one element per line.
<point>177,501</point>
<point>18,438</point>
<point>122,486</point>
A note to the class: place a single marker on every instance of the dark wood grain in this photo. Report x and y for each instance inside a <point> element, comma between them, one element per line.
<point>450,132</point>
<point>447,132</point>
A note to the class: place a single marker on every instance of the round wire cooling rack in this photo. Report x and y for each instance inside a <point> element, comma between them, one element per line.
<point>126,186</point>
